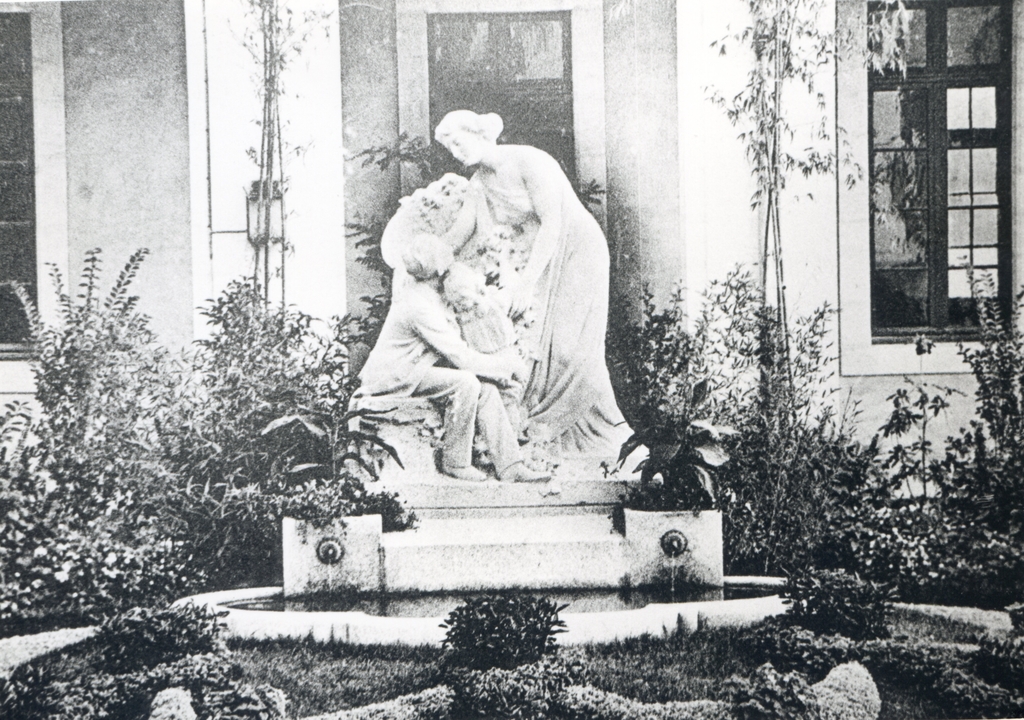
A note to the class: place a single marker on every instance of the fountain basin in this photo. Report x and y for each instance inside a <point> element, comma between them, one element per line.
<point>362,628</point>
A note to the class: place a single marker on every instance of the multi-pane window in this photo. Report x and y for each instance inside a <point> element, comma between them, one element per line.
<point>940,170</point>
<point>17,175</point>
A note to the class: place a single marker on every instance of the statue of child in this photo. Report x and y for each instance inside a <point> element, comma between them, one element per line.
<point>487,328</point>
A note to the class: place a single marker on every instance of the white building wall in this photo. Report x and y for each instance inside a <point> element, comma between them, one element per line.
<point>311,119</point>
<point>720,229</point>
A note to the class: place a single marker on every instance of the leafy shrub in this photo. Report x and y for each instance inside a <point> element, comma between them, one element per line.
<point>665,391</point>
<point>211,679</point>
<point>1000,661</point>
<point>1016,612</point>
<point>589,703</point>
<point>431,704</point>
<point>848,693</point>
<point>966,695</point>
<point>964,537</point>
<point>837,602</point>
<point>501,631</point>
<point>792,446</point>
<point>527,691</point>
<point>793,648</point>
<point>264,431</point>
<point>59,576</point>
<point>80,474</point>
<point>103,384</point>
<point>981,683</point>
<point>142,638</point>
<point>770,695</point>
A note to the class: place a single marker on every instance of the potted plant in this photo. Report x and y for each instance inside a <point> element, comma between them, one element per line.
<point>670,518</point>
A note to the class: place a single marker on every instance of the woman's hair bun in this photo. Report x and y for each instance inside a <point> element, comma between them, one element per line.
<point>491,126</point>
<point>488,126</point>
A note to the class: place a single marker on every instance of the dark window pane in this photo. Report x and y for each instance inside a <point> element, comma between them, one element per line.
<point>16,181</point>
<point>17,264</point>
<point>899,298</point>
<point>899,181</point>
<point>899,118</point>
<point>15,50</point>
<point>885,39</point>
<point>461,48</point>
<point>915,47</point>
<point>15,129</point>
<point>514,64</point>
<point>901,239</point>
<point>973,35</point>
<point>537,47</point>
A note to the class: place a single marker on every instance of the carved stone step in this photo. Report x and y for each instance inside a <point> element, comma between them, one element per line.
<point>576,551</point>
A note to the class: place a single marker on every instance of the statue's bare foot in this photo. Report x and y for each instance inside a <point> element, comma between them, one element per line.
<point>518,472</point>
<point>464,473</point>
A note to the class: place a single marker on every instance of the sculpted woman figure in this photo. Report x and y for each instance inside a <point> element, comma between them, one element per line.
<point>568,397</point>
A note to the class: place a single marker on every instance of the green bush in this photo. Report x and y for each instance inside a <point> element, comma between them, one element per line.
<point>501,631</point>
<point>836,602</point>
<point>847,693</point>
<point>431,704</point>
<point>1000,661</point>
<point>792,446</point>
<point>792,648</point>
<point>1016,612</point>
<point>264,430</point>
<point>138,478</point>
<point>140,638</point>
<point>212,680</point>
<point>589,703</point>
<point>770,695</point>
<point>986,682</point>
<point>665,388</point>
<point>526,691</point>
<point>959,536</point>
<point>54,579</point>
<point>80,473</point>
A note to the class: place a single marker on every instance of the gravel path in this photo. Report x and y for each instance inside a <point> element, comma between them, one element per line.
<point>15,651</point>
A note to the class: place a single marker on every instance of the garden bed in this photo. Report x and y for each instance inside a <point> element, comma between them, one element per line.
<point>326,677</point>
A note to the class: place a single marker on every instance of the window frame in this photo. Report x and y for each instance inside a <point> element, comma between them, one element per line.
<point>935,79</point>
<point>23,91</point>
<point>861,354</point>
<point>51,177</point>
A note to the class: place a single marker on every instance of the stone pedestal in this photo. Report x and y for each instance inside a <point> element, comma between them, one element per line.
<point>343,556</point>
<point>694,537</point>
<point>528,550</point>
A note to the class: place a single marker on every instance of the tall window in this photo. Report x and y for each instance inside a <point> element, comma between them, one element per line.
<point>17,175</point>
<point>518,65</point>
<point>940,171</point>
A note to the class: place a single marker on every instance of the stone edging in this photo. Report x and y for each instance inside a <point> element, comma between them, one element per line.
<point>18,650</point>
<point>995,620</point>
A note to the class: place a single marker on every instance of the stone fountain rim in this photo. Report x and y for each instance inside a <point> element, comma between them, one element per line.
<point>358,627</point>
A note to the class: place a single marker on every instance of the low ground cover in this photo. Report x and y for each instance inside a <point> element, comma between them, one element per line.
<point>326,677</point>
<point>136,655</point>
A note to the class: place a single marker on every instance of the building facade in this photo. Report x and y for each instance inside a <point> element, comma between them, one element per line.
<point>126,124</point>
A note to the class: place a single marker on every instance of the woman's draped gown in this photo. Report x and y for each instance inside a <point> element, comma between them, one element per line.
<point>569,395</point>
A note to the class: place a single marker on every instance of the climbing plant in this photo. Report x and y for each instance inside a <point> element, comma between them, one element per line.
<point>790,42</point>
<point>274,36</point>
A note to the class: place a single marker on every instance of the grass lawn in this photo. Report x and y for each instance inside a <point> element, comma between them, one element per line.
<point>320,678</point>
